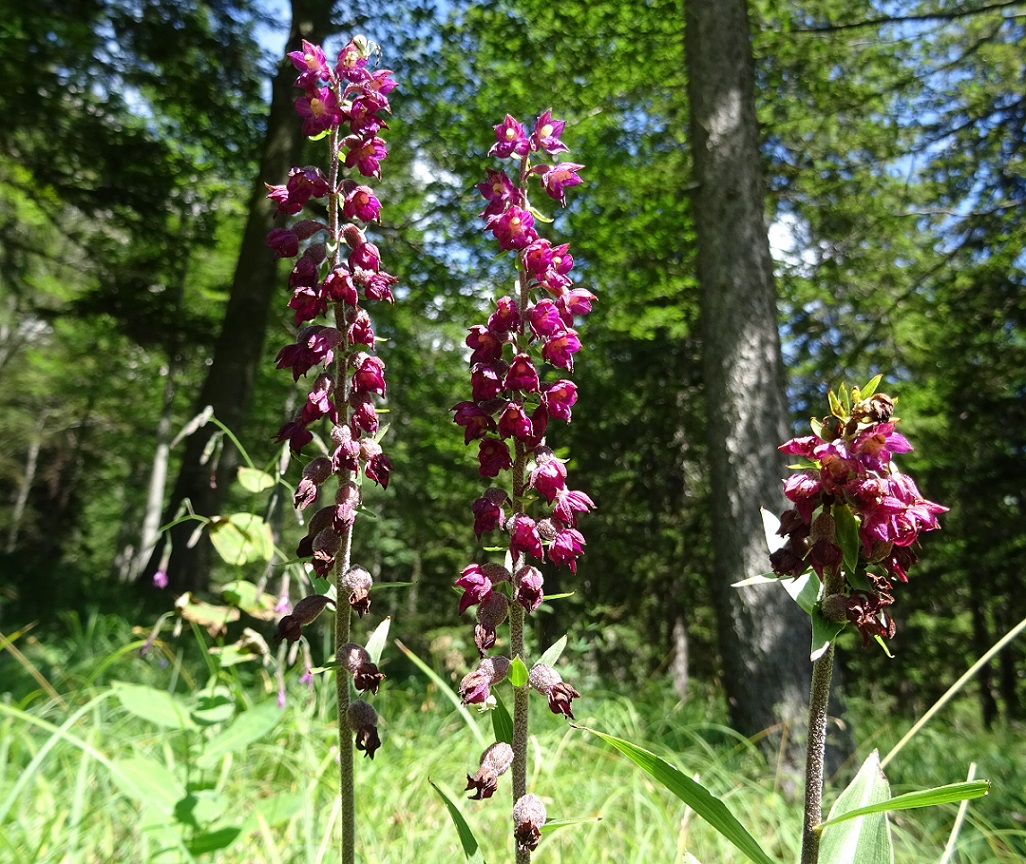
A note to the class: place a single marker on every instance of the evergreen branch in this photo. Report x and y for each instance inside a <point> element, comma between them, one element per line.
<point>909,19</point>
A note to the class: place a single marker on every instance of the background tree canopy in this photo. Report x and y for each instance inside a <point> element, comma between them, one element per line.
<point>893,143</point>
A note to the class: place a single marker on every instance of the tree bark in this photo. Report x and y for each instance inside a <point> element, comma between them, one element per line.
<point>764,639</point>
<point>239,347</point>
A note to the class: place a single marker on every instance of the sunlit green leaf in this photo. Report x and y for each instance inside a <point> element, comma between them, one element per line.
<point>242,538</point>
<point>153,705</point>
<point>696,796</point>
<point>553,652</point>
<point>866,839</point>
<point>518,672</point>
<point>253,480</point>
<point>471,849</point>
<point>247,728</point>
<point>502,723</point>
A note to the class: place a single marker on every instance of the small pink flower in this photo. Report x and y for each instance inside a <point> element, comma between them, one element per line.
<point>509,139</point>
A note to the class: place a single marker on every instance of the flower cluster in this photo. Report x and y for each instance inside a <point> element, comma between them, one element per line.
<point>511,404</point>
<point>854,513</point>
<point>518,360</point>
<point>336,271</point>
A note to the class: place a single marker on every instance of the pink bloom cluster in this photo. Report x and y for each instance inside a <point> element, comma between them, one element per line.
<point>345,101</point>
<point>851,466</point>
<point>511,402</point>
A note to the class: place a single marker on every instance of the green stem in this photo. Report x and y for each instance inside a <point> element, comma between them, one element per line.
<point>517,613</point>
<point>347,783</point>
<point>815,756</point>
<point>819,698</point>
<point>343,612</point>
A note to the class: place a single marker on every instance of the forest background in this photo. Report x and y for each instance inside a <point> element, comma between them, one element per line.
<point>894,136</point>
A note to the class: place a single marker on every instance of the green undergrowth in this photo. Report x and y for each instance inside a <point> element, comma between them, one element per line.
<point>109,756</point>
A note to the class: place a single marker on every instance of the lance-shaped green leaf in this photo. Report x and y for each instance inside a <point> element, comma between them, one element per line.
<point>502,723</point>
<point>866,839</point>
<point>518,672</point>
<point>376,643</point>
<point>694,794</point>
<point>964,791</point>
<point>553,652</point>
<point>847,536</point>
<point>471,850</point>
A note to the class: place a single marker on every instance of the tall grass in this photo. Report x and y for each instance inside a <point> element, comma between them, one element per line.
<point>86,780</point>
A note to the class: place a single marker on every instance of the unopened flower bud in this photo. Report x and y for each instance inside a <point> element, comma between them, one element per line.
<point>348,493</point>
<point>363,720</point>
<point>325,546</point>
<point>528,819</point>
<point>495,760</point>
<point>548,682</point>
<point>369,448</point>
<point>835,608</point>
<point>314,474</point>
<point>353,236</point>
<point>881,550</point>
<point>878,408</point>
<point>318,522</point>
<point>548,529</point>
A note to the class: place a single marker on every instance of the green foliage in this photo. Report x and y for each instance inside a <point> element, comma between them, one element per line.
<point>893,156</point>
<point>80,783</point>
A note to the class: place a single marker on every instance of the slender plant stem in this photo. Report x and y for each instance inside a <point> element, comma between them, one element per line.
<point>343,612</point>
<point>347,785</point>
<point>819,698</point>
<point>516,649</point>
<point>517,613</point>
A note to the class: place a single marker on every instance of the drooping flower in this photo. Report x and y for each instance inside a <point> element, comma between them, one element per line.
<point>528,819</point>
<point>495,761</point>
<point>476,686</point>
<point>550,684</point>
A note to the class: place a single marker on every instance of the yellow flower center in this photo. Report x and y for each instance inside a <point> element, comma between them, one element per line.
<point>545,131</point>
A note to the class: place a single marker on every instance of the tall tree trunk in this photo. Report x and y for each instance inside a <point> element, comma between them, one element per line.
<point>982,640</point>
<point>239,347</point>
<point>764,639</point>
<point>150,532</point>
<point>24,488</point>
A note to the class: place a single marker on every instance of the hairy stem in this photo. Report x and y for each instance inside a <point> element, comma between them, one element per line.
<point>819,700</point>
<point>346,785</point>
<point>343,612</point>
<point>819,697</point>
